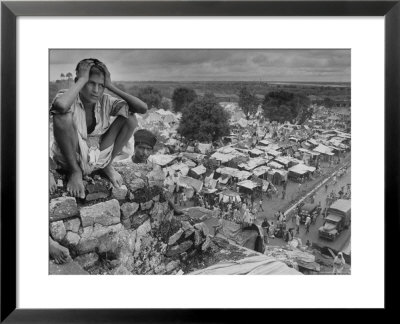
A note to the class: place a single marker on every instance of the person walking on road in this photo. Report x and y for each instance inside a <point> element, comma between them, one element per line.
<point>283,193</point>
<point>338,264</point>
<point>308,223</point>
<point>260,205</point>
<point>297,224</point>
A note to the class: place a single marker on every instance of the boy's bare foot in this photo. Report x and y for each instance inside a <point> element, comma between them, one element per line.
<point>52,183</point>
<point>114,176</point>
<point>58,253</point>
<point>75,185</point>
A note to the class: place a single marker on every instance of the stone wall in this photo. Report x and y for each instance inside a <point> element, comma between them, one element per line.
<point>131,230</point>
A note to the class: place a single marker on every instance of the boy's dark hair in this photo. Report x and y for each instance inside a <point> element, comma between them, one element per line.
<point>95,69</point>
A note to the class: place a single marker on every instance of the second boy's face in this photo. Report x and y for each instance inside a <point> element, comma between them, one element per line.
<point>142,153</point>
<point>93,89</point>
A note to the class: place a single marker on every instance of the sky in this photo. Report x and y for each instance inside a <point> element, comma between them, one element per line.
<point>313,65</point>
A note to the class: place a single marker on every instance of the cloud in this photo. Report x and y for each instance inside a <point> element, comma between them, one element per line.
<point>212,64</point>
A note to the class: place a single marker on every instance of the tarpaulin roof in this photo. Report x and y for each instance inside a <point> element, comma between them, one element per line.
<point>342,205</point>
<point>162,159</point>
<point>254,265</point>
<point>264,142</point>
<point>200,169</point>
<point>190,182</point>
<point>223,157</point>
<point>301,169</point>
<point>275,165</point>
<point>253,163</point>
<point>260,170</point>
<point>323,149</point>
<point>248,184</point>
<point>204,148</point>
<point>193,156</point>
<point>241,175</point>
<point>282,160</point>
<point>256,151</point>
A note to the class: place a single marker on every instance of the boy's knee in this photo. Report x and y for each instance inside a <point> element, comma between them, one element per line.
<point>63,120</point>
<point>131,122</point>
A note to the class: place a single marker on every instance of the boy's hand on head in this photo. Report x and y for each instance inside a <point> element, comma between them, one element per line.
<point>107,75</point>
<point>84,69</point>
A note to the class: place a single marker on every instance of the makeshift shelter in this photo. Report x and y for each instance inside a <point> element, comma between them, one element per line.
<point>229,196</point>
<point>254,265</point>
<point>255,152</point>
<point>253,163</point>
<point>300,171</point>
<point>275,165</point>
<point>240,175</point>
<point>199,170</point>
<point>223,158</point>
<point>189,182</point>
<point>204,148</point>
<point>260,171</point>
<point>277,177</point>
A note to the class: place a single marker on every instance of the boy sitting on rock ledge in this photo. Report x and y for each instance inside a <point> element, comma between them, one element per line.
<point>85,139</point>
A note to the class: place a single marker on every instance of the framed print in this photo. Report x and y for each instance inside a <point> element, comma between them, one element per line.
<point>230,116</point>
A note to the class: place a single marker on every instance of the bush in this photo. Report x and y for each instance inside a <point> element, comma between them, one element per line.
<point>183,97</point>
<point>151,96</point>
<point>204,120</point>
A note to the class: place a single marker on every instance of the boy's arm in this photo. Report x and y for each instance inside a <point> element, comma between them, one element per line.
<point>135,104</point>
<point>63,103</point>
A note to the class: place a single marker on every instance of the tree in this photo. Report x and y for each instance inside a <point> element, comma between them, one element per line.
<point>248,102</point>
<point>165,104</point>
<point>182,97</point>
<point>204,120</point>
<point>69,75</point>
<point>328,102</point>
<point>151,96</point>
<point>62,76</point>
<point>283,106</point>
<point>305,114</point>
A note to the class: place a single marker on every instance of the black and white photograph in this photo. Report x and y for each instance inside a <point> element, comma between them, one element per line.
<point>199,161</point>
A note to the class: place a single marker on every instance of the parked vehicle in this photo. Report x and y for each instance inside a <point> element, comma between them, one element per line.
<point>338,218</point>
<point>309,209</point>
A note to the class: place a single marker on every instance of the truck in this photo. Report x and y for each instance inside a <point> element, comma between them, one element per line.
<point>338,219</point>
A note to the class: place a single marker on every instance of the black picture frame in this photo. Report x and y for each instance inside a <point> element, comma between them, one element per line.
<point>9,13</point>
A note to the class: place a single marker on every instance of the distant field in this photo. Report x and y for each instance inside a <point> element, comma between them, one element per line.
<point>228,90</point>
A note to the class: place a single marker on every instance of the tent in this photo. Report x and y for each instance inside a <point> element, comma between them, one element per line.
<point>301,169</point>
<point>248,184</point>
<point>189,182</point>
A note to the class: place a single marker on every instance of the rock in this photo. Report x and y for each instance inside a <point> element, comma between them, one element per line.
<point>87,245</point>
<point>136,184</point>
<point>60,183</point>
<point>174,238</point>
<point>97,190</point>
<point>146,205</point>
<point>178,249</point>
<point>128,209</point>
<point>119,193</point>
<point>127,239</point>
<point>71,239</point>
<point>180,272</point>
<point>186,225</point>
<point>108,245</point>
<point>131,196</point>
<point>160,269</point>
<point>138,219</point>
<point>86,232</point>
<point>203,228</point>
<point>96,196</point>
<point>121,270</point>
<point>143,229</point>
<point>57,230</point>
<point>70,268</point>
<point>184,256</point>
<point>206,244</point>
<point>156,198</point>
<point>100,230</point>
<point>197,238</point>
<point>172,266</point>
<point>72,225</point>
<point>189,232</point>
<point>63,207</point>
<point>104,213</point>
<point>87,260</point>
<point>126,223</point>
